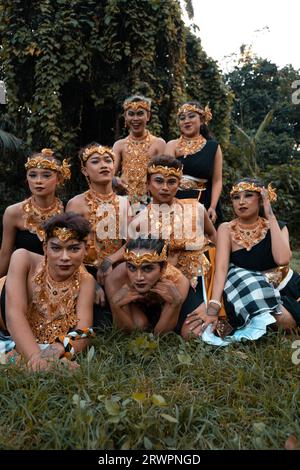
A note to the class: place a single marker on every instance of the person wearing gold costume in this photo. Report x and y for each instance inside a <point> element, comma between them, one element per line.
<point>105,210</point>
<point>201,157</point>
<point>252,267</point>
<point>47,302</point>
<point>22,222</point>
<point>183,222</point>
<point>134,152</point>
<point>146,292</point>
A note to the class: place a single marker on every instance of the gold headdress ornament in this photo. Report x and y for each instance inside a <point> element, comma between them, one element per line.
<point>205,113</point>
<point>64,234</point>
<point>100,149</point>
<point>135,105</point>
<point>154,257</point>
<point>245,186</point>
<point>165,170</point>
<point>41,161</point>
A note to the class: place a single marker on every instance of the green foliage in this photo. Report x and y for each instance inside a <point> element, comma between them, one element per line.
<point>204,82</point>
<point>161,401</point>
<point>11,168</point>
<point>286,178</point>
<point>248,144</point>
<point>273,149</point>
<point>69,66</point>
<point>189,8</point>
<point>263,91</point>
<point>255,84</point>
<point>265,138</point>
<point>9,145</point>
<point>295,264</point>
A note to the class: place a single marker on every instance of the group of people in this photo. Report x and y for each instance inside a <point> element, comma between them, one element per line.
<point>139,247</point>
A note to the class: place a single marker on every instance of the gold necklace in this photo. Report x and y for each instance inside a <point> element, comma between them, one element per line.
<point>248,235</point>
<point>134,165</point>
<point>187,146</point>
<point>99,197</point>
<point>167,220</point>
<point>34,216</point>
<point>190,261</point>
<point>52,311</point>
<point>98,247</point>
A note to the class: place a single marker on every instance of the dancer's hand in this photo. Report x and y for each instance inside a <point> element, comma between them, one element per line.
<point>104,269</point>
<point>125,296</point>
<point>99,296</point>
<point>212,214</point>
<point>198,321</point>
<point>120,186</point>
<point>168,292</point>
<point>266,203</point>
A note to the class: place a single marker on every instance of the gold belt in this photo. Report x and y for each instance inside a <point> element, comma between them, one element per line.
<point>276,276</point>
<point>190,184</point>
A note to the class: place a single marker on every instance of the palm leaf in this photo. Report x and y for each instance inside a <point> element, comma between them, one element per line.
<point>263,126</point>
<point>249,150</point>
<point>9,144</point>
<point>242,135</point>
<point>245,139</point>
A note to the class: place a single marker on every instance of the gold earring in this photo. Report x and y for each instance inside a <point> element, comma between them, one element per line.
<point>87,178</point>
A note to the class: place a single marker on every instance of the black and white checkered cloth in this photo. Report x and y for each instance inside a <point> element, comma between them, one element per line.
<point>6,343</point>
<point>250,293</point>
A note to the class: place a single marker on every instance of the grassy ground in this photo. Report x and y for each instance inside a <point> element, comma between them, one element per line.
<point>141,392</point>
<point>138,392</point>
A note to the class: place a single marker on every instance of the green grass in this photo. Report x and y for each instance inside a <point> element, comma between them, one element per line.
<point>141,392</point>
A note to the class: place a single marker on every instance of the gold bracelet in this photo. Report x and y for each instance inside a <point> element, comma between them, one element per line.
<point>214,301</point>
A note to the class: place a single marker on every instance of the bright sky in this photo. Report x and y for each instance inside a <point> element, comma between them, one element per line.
<point>226,24</point>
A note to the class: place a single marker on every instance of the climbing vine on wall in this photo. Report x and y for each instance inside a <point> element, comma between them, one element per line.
<point>69,65</point>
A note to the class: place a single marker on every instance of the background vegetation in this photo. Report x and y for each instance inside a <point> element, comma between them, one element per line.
<point>68,66</point>
<point>265,130</point>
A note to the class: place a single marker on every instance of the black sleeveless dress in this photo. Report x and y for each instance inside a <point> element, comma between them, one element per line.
<point>260,258</point>
<point>201,165</point>
<point>29,241</point>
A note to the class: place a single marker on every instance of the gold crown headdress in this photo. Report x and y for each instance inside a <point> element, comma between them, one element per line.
<point>205,113</point>
<point>100,149</point>
<point>246,186</point>
<point>64,234</point>
<point>165,170</point>
<point>138,259</point>
<point>135,105</point>
<point>41,161</point>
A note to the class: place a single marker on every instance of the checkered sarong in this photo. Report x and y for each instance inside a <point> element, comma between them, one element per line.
<point>250,294</point>
<point>6,343</point>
